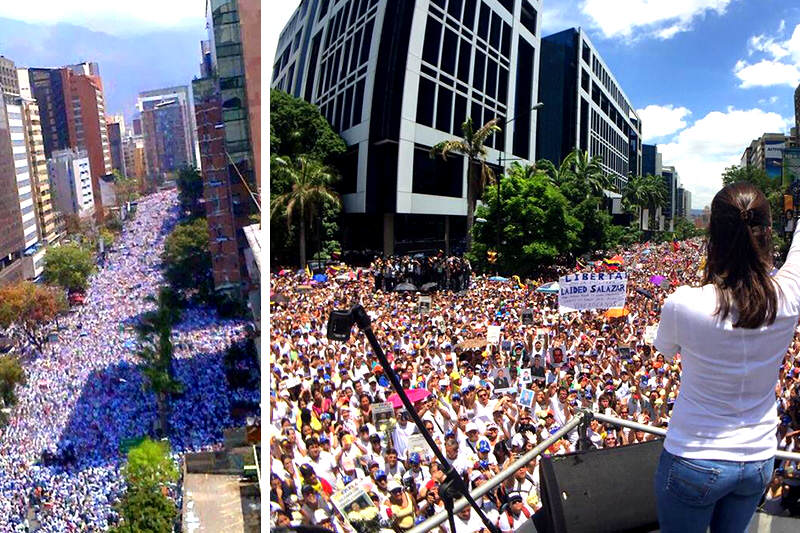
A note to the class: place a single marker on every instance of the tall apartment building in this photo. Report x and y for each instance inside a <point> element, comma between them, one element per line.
<point>135,160</point>
<point>683,203</point>
<point>766,153</point>
<point>116,146</point>
<point>70,175</point>
<point>395,78</point>
<point>72,108</point>
<point>223,117</point>
<point>672,183</point>
<point>168,127</point>
<point>585,107</point>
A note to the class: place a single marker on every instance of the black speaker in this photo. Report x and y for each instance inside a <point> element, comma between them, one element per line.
<point>609,489</point>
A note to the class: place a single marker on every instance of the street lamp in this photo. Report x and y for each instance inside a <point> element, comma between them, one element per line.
<point>501,160</point>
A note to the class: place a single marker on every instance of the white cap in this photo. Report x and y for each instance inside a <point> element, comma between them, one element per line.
<point>517,441</point>
<point>393,485</point>
<point>320,516</point>
<point>471,426</point>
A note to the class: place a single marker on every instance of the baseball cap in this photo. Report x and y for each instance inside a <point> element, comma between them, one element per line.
<point>307,489</point>
<point>514,497</point>
<point>483,447</point>
<point>394,485</point>
<point>380,474</point>
<point>414,458</point>
<point>471,426</point>
<point>306,469</point>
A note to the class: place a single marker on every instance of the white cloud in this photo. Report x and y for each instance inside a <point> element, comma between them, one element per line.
<point>702,151</point>
<point>766,73</point>
<point>658,121</point>
<point>660,18</point>
<point>110,17</point>
<point>779,63</point>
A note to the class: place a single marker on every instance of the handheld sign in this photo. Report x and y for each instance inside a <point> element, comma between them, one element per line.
<point>527,317</point>
<point>592,290</point>
<point>493,334</point>
<point>424,304</point>
<point>526,398</point>
<point>382,411</point>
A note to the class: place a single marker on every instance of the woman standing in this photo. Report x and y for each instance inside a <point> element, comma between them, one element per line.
<point>732,334</point>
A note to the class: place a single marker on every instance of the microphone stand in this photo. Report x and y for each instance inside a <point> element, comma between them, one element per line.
<point>453,484</point>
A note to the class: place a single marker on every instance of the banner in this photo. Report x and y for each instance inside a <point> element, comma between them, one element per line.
<point>592,290</point>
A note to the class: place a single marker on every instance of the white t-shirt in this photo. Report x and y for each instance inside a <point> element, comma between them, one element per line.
<point>726,406</point>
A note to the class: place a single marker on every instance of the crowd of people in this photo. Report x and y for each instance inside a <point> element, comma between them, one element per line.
<point>438,272</point>
<point>324,435</point>
<point>60,454</point>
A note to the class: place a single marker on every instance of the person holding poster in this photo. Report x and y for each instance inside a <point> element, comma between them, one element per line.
<point>732,334</point>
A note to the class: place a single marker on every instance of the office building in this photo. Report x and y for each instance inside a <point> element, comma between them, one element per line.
<point>766,153</point>
<point>168,127</point>
<point>116,130</point>
<point>585,107</point>
<point>223,117</point>
<point>135,160</point>
<point>683,203</point>
<point>12,238</point>
<point>70,175</point>
<point>670,208</point>
<point>73,115</point>
<point>394,79</point>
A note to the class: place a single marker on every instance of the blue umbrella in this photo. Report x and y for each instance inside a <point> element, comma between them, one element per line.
<point>322,278</point>
<point>548,288</point>
<point>498,278</point>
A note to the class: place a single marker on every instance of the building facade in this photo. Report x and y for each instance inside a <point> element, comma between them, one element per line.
<point>766,153</point>
<point>585,108</point>
<point>394,79</point>
<point>12,239</point>
<point>116,146</point>
<point>672,183</point>
<point>70,175</point>
<point>223,116</point>
<point>168,127</point>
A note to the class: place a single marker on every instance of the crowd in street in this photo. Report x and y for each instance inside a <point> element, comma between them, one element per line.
<point>60,454</point>
<point>438,272</point>
<point>472,393</point>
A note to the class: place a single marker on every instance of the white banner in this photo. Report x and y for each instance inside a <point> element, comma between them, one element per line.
<point>592,290</point>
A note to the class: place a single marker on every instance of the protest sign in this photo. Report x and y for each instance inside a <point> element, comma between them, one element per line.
<point>526,398</point>
<point>506,390</point>
<point>527,317</point>
<point>525,375</point>
<point>424,304</point>
<point>493,334</point>
<point>382,412</point>
<point>416,443</point>
<point>650,334</point>
<point>592,290</point>
<point>352,500</point>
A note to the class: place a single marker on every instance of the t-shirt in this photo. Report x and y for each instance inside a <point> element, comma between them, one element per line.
<point>726,406</point>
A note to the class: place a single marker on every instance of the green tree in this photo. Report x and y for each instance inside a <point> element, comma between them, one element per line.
<point>479,174</point>
<point>537,224</point>
<point>11,375</point>
<point>772,188</point>
<point>126,188</point>
<point>561,174</point>
<point>149,465</point>
<point>190,192</point>
<point>297,128</point>
<point>145,511</point>
<point>68,266</point>
<point>187,259</point>
<point>31,308</point>
<point>686,230</point>
<point>311,186</point>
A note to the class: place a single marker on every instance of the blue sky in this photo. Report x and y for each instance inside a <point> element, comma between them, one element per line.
<point>707,76</point>
<point>142,45</point>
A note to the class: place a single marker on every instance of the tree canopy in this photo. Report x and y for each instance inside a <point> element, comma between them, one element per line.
<point>31,308</point>
<point>298,128</point>
<point>187,260</point>
<point>11,375</point>
<point>190,192</point>
<point>68,266</point>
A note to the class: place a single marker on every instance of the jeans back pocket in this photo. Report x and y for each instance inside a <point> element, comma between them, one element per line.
<point>691,481</point>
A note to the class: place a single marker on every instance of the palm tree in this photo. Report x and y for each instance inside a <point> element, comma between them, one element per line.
<point>558,175</point>
<point>587,170</point>
<point>311,183</point>
<point>156,351</point>
<point>636,195</point>
<point>655,193</point>
<point>471,146</point>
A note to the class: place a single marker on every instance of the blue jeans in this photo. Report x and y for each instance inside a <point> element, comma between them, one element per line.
<point>693,494</point>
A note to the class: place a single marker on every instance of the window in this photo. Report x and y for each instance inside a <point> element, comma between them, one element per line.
<point>483,21</point>
<point>348,108</point>
<point>528,17</point>
<point>494,36</point>
<point>353,55</point>
<point>366,42</point>
<point>469,14</point>
<point>478,70</point>
<point>585,80</point>
<point>464,58</point>
<point>502,87</point>
<point>586,53</point>
<point>425,101</point>
<point>358,103</point>
<point>437,176</point>
<point>449,48</point>
<point>505,44</point>
<point>444,109</point>
<point>476,115</point>
<point>454,8</point>
<point>508,5</point>
<point>459,114</point>
<point>430,47</point>
<point>491,79</point>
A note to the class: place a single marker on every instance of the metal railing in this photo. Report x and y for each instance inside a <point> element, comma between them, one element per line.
<point>582,417</point>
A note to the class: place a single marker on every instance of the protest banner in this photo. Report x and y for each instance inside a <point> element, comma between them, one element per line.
<point>592,290</point>
<point>493,334</point>
<point>382,412</point>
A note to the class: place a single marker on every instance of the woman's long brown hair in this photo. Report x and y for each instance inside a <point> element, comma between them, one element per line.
<point>740,256</point>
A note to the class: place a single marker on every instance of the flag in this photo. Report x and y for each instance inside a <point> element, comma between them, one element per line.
<point>517,281</point>
<point>308,272</point>
<point>675,246</point>
<point>613,263</point>
<point>579,265</point>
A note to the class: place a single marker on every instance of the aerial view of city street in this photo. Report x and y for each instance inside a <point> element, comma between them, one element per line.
<point>523,265</point>
<point>130,266</point>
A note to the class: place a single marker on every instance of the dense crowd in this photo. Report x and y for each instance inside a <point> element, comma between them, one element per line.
<point>325,438</point>
<point>438,272</point>
<point>60,453</point>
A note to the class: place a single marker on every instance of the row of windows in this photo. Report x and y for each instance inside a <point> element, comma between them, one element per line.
<point>599,98</point>
<point>609,84</point>
<point>27,196</point>
<point>612,161</point>
<point>608,134</point>
<point>491,30</point>
<point>344,111</point>
<point>446,110</point>
<point>335,68</point>
<point>339,23</point>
